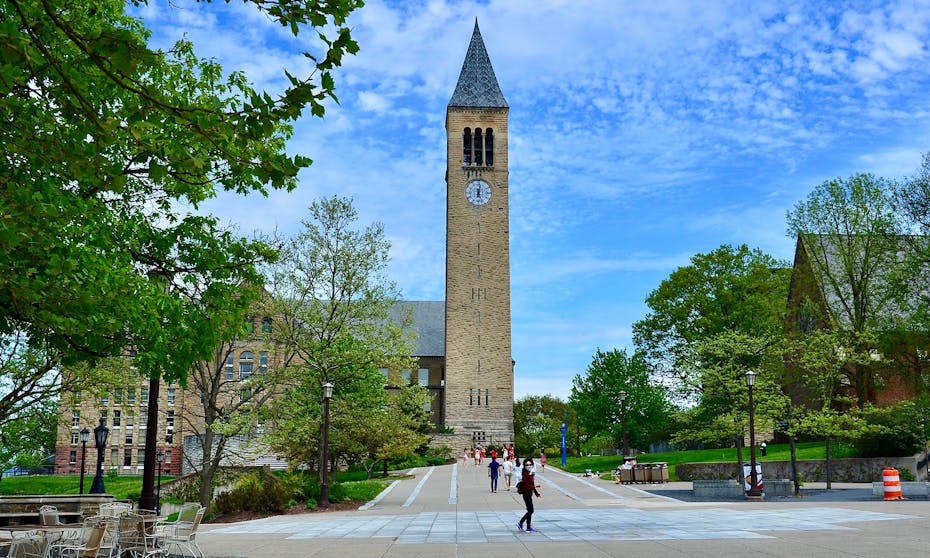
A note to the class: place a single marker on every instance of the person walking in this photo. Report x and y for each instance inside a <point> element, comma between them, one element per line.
<point>508,468</point>
<point>542,460</point>
<point>528,488</point>
<point>465,457</point>
<point>477,457</point>
<point>493,466</point>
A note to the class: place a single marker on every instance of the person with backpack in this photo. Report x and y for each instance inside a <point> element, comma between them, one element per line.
<point>527,487</point>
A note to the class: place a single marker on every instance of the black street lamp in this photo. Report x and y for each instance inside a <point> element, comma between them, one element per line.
<point>324,486</point>
<point>85,435</point>
<point>753,493</point>
<point>626,448</point>
<point>101,433</point>
<point>159,457</point>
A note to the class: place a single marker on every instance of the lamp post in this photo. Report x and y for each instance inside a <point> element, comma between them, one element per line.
<point>324,483</point>
<point>101,433</point>
<point>753,493</point>
<point>626,447</point>
<point>85,435</point>
<point>159,457</point>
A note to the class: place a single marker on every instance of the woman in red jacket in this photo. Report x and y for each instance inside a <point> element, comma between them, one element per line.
<point>529,488</point>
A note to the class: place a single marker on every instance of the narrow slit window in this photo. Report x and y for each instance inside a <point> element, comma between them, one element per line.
<point>489,147</point>
<point>478,146</point>
<point>466,146</point>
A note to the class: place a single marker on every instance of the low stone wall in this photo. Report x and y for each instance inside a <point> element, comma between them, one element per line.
<point>812,470</point>
<point>71,507</point>
<point>730,488</point>
<point>910,489</point>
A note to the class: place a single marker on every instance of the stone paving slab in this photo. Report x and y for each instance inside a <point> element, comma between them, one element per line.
<point>450,511</point>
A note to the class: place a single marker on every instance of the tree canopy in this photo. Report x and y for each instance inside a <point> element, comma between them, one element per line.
<point>105,141</point>
<point>595,397</point>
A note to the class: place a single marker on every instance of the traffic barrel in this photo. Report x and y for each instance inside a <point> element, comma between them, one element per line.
<point>892,484</point>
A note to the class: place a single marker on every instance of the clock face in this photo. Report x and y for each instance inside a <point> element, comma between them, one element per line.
<point>478,192</point>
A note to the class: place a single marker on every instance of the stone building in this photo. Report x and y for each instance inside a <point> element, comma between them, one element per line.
<point>464,343</point>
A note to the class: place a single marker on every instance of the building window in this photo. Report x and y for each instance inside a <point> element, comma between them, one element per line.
<point>479,147</point>
<point>169,438</point>
<point>105,399</point>
<point>118,396</point>
<point>167,456</point>
<point>117,419</point>
<point>130,419</point>
<point>245,365</point>
<point>140,458</point>
<point>77,397</point>
<point>114,457</point>
<point>172,394</point>
<point>131,396</point>
<point>263,362</point>
<point>423,377</point>
<point>75,419</point>
<point>245,394</point>
<point>75,439</point>
<point>405,376</point>
<point>127,458</point>
<point>229,367</point>
<point>72,456</point>
<point>104,415</point>
<point>428,404</point>
<point>143,420</point>
<point>489,147</point>
<point>250,324</point>
<point>144,396</point>
<point>266,325</point>
<point>385,372</point>
<point>169,427</point>
<point>129,437</point>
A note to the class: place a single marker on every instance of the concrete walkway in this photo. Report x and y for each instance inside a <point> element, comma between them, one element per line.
<point>450,511</point>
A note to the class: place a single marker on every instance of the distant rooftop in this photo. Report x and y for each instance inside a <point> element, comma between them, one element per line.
<point>429,321</point>
<point>477,86</point>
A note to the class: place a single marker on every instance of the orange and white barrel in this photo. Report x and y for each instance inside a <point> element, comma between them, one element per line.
<point>892,484</point>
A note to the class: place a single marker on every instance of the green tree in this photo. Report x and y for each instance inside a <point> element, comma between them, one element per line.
<point>331,303</point>
<point>850,232</point>
<point>537,423</point>
<point>595,397</point>
<point>106,141</point>
<point>732,289</point>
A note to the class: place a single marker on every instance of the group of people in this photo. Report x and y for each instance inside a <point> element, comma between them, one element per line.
<point>509,466</point>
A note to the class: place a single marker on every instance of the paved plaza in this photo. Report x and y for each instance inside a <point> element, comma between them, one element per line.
<point>450,511</point>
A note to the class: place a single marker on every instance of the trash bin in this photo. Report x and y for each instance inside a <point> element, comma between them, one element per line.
<point>747,477</point>
<point>660,473</point>
<point>640,473</point>
<point>626,476</point>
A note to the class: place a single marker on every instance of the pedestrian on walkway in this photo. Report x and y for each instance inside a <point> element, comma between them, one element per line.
<point>477,457</point>
<point>528,488</point>
<point>465,457</point>
<point>493,466</point>
<point>508,468</point>
<point>542,460</point>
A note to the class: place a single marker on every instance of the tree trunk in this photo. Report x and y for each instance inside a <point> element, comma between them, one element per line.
<point>829,484</point>
<point>739,459</point>
<point>794,466</point>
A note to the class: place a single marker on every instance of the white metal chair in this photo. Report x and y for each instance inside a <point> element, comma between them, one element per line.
<point>183,535</point>
<point>137,537</point>
<point>30,544</point>
<point>48,515</point>
<point>86,548</point>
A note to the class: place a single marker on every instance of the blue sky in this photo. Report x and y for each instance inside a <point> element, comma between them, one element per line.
<point>641,133</point>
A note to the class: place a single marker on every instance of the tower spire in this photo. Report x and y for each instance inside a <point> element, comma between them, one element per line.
<point>477,85</point>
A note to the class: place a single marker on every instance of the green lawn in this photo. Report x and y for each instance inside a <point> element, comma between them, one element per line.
<point>776,452</point>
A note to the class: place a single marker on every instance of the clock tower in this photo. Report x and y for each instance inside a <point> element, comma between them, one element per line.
<point>478,358</point>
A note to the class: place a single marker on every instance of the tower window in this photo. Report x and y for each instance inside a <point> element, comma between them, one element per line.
<point>466,147</point>
<point>478,147</point>
<point>489,147</point>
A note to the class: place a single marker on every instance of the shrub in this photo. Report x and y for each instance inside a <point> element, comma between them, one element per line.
<point>258,492</point>
<point>896,430</point>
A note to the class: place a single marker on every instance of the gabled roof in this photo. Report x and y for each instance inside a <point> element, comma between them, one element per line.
<point>477,86</point>
<point>429,321</point>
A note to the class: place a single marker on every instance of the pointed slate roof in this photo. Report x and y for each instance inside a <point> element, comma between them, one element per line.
<point>477,86</point>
